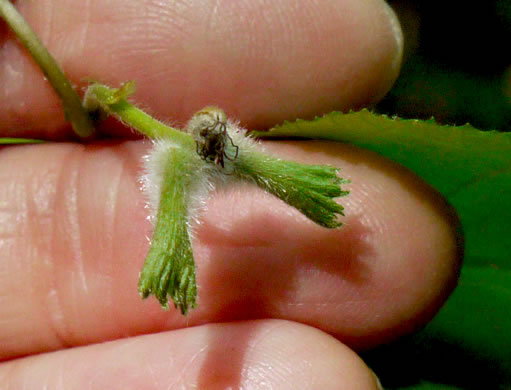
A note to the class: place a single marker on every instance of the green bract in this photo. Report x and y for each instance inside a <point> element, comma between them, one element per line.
<point>169,269</point>
<point>176,177</point>
<point>309,188</point>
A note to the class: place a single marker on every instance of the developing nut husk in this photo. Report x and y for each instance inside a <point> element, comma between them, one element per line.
<point>209,128</point>
<point>182,169</point>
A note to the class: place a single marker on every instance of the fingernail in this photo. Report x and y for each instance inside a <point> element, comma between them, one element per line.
<point>377,381</point>
<point>398,37</point>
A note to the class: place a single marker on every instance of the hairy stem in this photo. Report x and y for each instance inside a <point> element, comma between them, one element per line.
<point>113,101</point>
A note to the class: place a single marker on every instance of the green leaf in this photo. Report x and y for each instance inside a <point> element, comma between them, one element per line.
<point>467,346</point>
<point>471,168</point>
<point>471,336</point>
<point>18,141</point>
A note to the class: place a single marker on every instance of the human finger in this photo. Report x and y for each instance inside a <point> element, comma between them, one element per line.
<point>262,62</point>
<point>243,355</point>
<point>74,236</point>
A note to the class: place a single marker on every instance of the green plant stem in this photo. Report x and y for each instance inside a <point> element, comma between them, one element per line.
<point>114,103</point>
<point>75,113</point>
<point>17,141</point>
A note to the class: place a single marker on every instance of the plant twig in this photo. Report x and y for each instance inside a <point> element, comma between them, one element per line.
<point>75,113</point>
<point>113,102</point>
<point>17,141</point>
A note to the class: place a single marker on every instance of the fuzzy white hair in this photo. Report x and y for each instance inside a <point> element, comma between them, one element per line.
<point>206,175</point>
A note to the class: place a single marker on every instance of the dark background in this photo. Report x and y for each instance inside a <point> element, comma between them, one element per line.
<point>457,63</point>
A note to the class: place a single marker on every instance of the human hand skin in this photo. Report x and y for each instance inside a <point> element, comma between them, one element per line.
<point>282,302</point>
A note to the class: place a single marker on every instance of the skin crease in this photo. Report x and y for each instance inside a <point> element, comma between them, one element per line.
<point>73,225</point>
<point>244,355</point>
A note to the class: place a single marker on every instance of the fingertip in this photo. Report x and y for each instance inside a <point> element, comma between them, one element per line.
<point>416,241</point>
<point>335,55</point>
<point>393,61</point>
<point>384,274</point>
<point>262,64</point>
<point>249,355</point>
<point>314,354</point>
<point>78,234</point>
